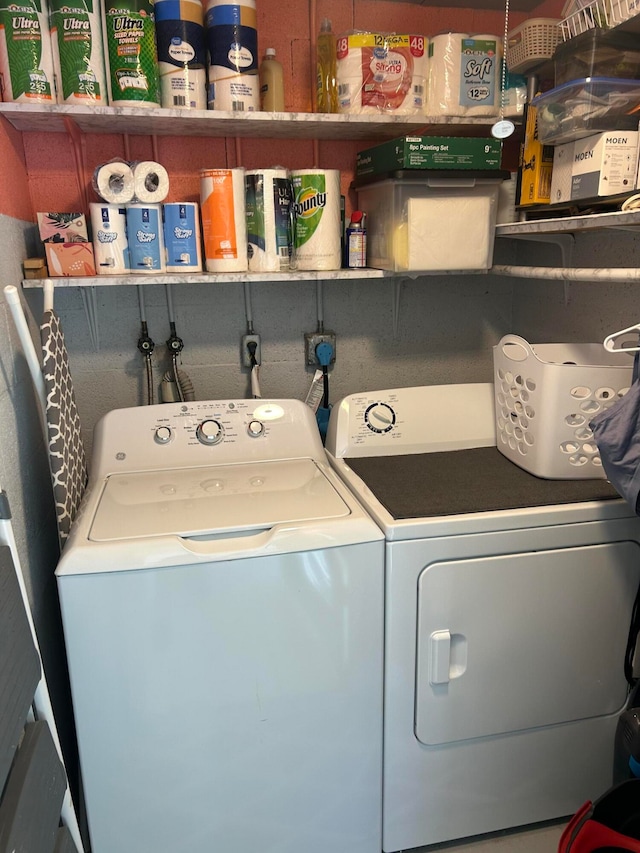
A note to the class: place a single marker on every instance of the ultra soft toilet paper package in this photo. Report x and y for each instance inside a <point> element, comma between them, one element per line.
<point>464,77</point>
<point>382,73</point>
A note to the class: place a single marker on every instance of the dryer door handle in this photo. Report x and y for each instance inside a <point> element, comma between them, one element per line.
<point>439,657</point>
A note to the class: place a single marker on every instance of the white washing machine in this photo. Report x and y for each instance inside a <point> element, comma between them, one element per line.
<point>222,601</point>
<point>507,609</point>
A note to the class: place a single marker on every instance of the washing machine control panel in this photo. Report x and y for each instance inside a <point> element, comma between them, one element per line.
<point>207,432</point>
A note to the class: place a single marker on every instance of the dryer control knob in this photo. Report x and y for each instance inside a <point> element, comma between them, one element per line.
<point>255,429</point>
<point>209,432</point>
<point>163,435</point>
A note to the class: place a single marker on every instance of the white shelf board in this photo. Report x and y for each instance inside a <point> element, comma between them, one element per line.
<point>571,224</point>
<point>216,123</point>
<point>205,278</point>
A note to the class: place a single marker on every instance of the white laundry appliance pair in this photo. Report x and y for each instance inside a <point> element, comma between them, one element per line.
<point>222,602</point>
<point>507,607</point>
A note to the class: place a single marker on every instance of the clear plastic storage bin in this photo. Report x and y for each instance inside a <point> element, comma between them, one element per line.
<point>588,106</point>
<point>597,53</point>
<point>545,396</point>
<point>430,223</point>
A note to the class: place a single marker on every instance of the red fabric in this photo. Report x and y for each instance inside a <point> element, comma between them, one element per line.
<point>585,835</point>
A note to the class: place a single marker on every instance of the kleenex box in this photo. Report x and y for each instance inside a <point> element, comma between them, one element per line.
<point>599,165</point>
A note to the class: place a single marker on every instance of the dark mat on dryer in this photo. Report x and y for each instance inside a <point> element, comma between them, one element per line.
<point>480,479</point>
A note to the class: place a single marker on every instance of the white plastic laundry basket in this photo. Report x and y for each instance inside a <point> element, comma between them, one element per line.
<point>545,396</point>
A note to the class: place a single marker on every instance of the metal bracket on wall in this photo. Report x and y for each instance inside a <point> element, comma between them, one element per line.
<point>90,302</point>
<point>566,244</point>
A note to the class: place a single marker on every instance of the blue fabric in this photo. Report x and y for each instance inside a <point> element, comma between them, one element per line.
<point>616,432</point>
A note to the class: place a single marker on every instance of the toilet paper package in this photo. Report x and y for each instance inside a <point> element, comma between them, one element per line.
<point>464,78</point>
<point>445,60</point>
<point>317,233</point>
<point>224,229</point>
<point>145,238</point>
<point>269,215</point>
<point>182,237</point>
<point>26,61</point>
<point>110,244</point>
<point>150,182</point>
<point>382,73</point>
<point>114,182</point>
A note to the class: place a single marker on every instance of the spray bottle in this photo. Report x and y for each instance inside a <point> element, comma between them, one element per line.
<point>357,241</point>
<point>327,89</point>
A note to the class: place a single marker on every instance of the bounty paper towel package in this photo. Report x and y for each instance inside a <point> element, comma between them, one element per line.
<point>381,73</point>
<point>599,165</point>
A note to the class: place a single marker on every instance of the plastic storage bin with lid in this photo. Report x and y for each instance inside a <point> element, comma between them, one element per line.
<point>585,107</point>
<point>597,53</point>
<point>425,221</point>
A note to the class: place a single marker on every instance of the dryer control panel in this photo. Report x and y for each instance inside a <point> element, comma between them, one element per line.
<point>209,432</point>
<point>413,420</point>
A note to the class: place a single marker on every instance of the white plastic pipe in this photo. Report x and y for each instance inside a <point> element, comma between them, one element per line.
<point>619,276</point>
<point>20,321</point>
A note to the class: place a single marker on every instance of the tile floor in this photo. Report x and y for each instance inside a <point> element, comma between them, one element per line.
<point>541,838</point>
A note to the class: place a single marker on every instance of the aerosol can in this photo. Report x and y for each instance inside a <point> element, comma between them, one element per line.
<point>357,241</point>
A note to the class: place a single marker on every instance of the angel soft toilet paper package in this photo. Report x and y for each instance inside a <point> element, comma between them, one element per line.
<point>381,73</point>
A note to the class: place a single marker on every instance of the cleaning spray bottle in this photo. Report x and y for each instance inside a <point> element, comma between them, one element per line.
<point>326,86</point>
<point>271,83</point>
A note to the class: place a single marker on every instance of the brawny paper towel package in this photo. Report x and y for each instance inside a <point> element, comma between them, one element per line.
<point>599,165</point>
<point>379,73</point>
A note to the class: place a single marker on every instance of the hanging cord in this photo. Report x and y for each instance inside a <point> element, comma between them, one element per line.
<point>503,76</point>
<point>146,347</point>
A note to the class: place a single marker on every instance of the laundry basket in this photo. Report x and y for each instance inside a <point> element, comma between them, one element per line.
<point>545,396</point>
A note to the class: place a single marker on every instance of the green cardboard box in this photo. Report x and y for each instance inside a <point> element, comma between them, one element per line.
<point>430,152</point>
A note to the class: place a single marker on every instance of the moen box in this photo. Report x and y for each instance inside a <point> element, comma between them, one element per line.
<point>430,152</point>
<point>599,165</point>
<point>420,222</point>
<point>536,165</point>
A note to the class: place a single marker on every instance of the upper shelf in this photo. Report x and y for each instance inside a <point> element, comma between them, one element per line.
<point>571,224</point>
<point>217,123</point>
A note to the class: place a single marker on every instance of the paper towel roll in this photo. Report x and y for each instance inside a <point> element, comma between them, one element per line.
<point>110,245</point>
<point>181,54</point>
<point>114,182</point>
<point>232,39</point>
<point>269,216</point>
<point>146,243</point>
<point>224,227</point>
<point>150,182</point>
<point>317,233</point>
<point>78,60</point>
<point>382,73</point>
<point>26,63</point>
<point>445,80</point>
<point>182,237</point>
<point>480,91</point>
<point>131,54</point>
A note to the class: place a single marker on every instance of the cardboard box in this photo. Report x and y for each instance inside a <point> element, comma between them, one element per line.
<point>63,227</point>
<point>430,152</point>
<point>536,165</point>
<point>599,165</point>
<point>70,259</point>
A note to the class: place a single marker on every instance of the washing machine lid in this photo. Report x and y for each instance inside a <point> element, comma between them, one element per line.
<point>214,500</point>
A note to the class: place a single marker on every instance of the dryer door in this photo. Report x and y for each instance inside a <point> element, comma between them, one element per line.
<point>515,642</point>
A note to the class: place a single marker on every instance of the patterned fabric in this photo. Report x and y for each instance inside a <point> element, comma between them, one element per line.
<point>67,459</point>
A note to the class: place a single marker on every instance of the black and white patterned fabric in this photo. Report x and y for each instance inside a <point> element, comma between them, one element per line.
<point>67,459</point>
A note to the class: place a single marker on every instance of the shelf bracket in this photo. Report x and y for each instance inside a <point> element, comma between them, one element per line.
<point>90,302</point>
<point>566,244</point>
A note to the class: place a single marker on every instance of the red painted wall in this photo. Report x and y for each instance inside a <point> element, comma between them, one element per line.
<point>52,183</point>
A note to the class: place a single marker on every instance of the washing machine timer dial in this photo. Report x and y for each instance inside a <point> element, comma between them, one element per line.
<point>255,429</point>
<point>210,432</point>
<point>163,435</point>
<point>379,417</point>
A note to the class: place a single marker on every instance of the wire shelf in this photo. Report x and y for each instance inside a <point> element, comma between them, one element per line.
<point>586,15</point>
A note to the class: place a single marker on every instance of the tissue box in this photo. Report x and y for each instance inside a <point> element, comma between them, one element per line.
<point>63,227</point>
<point>70,259</point>
<point>409,222</point>
<point>600,165</point>
<point>430,152</point>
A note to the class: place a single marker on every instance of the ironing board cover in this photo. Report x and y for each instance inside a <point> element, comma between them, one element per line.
<point>67,459</point>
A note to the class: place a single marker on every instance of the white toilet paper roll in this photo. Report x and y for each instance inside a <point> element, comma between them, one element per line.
<point>150,182</point>
<point>146,239</point>
<point>445,80</point>
<point>110,245</point>
<point>482,56</point>
<point>269,216</point>
<point>317,222</point>
<point>224,228</point>
<point>114,182</point>
<point>382,73</point>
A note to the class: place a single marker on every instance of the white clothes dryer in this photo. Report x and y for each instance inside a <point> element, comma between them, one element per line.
<point>222,603</point>
<point>507,609</point>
